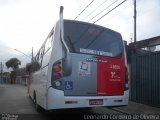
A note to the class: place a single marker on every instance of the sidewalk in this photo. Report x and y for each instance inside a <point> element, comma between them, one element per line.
<point>137,108</point>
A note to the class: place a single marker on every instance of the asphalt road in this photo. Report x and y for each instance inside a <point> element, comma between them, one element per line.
<point>14,100</point>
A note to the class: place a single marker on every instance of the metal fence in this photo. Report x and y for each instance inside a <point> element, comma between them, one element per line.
<point>145,78</point>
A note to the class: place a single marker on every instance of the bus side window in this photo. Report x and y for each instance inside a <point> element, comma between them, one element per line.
<point>47,52</point>
<point>48,43</point>
<point>44,49</point>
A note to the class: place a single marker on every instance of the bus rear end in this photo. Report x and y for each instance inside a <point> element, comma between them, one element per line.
<point>98,71</point>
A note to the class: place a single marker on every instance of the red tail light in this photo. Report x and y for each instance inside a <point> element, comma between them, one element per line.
<point>126,76</point>
<point>126,84</point>
<point>57,75</point>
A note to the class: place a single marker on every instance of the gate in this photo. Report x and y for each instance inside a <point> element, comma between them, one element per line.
<point>145,78</point>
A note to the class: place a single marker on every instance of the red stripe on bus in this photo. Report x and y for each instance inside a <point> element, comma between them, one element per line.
<point>110,76</point>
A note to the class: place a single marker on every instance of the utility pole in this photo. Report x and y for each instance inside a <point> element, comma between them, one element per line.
<point>135,20</point>
<point>1,72</point>
<point>32,55</point>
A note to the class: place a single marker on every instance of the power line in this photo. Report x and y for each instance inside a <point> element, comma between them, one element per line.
<point>23,53</point>
<point>116,14</point>
<point>84,9</point>
<point>109,11</point>
<point>103,10</point>
<point>95,9</point>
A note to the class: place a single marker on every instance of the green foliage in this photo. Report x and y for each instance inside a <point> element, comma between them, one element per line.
<point>32,67</point>
<point>13,63</point>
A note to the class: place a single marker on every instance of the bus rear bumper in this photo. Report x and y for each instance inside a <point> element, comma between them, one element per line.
<point>57,100</point>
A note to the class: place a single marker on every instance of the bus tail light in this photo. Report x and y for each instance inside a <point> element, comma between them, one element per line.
<point>126,76</point>
<point>57,74</point>
<point>126,84</point>
<point>57,83</point>
<point>57,68</point>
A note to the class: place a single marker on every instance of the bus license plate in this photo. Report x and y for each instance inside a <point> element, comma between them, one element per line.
<point>96,102</point>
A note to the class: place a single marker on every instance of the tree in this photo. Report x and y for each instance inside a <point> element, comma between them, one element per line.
<point>13,63</point>
<point>32,67</point>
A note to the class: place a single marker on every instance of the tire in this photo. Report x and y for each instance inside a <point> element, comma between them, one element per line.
<point>29,97</point>
<point>37,107</point>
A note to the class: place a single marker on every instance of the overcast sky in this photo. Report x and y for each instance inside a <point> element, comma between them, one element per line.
<point>26,23</point>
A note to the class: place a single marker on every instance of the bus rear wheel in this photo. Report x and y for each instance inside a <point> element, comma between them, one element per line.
<point>37,107</point>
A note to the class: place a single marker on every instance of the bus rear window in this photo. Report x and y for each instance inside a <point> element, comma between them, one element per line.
<point>92,39</point>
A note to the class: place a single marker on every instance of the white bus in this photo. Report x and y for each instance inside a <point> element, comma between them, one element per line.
<point>81,65</point>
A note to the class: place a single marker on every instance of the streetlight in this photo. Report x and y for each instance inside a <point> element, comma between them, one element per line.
<point>31,57</point>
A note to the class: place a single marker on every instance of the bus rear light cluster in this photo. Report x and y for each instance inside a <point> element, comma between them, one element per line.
<point>57,74</point>
<point>126,75</point>
<point>126,79</point>
<point>57,71</point>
